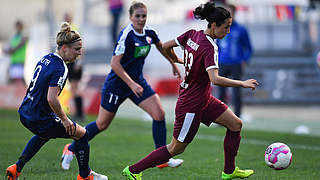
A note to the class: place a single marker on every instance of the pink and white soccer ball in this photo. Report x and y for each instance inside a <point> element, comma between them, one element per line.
<point>278,156</point>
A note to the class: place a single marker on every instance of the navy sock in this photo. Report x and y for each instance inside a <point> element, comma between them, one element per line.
<point>32,147</point>
<point>82,151</point>
<point>92,131</point>
<point>159,132</point>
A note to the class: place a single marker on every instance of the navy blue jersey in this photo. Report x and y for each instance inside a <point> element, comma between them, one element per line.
<point>50,71</point>
<point>135,47</point>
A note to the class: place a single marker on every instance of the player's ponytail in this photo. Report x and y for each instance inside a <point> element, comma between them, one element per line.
<point>209,12</point>
<point>67,35</point>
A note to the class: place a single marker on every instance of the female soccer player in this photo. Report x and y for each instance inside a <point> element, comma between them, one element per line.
<point>126,81</point>
<point>41,111</point>
<point>195,104</point>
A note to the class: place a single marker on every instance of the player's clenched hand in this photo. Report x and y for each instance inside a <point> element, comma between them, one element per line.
<point>250,83</point>
<point>70,128</point>
<point>136,89</point>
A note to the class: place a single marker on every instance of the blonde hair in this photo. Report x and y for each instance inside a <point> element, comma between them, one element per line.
<point>67,35</point>
<point>135,5</point>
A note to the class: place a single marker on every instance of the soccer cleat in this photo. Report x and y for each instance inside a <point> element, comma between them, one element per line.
<point>93,176</point>
<point>66,157</point>
<point>171,163</point>
<point>130,176</point>
<point>237,173</point>
<point>12,173</point>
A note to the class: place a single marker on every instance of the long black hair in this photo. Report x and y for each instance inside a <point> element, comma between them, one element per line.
<point>209,12</point>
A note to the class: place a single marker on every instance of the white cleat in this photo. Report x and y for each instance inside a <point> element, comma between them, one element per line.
<point>66,157</point>
<point>93,176</point>
<point>171,163</point>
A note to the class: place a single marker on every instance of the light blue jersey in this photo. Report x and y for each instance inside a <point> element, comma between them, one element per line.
<point>50,71</point>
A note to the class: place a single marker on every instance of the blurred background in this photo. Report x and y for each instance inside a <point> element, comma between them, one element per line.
<point>285,35</point>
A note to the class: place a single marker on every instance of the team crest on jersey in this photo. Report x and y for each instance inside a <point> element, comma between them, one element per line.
<point>149,40</point>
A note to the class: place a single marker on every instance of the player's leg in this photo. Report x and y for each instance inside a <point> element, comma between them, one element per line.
<point>82,151</point>
<point>185,128</point>
<point>236,74</point>
<point>77,98</point>
<point>156,157</point>
<point>150,102</point>
<point>237,100</point>
<point>231,145</point>
<point>154,108</point>
<point>223,71</point>
<point>103,121</point>
<point>110,103</point>
<point>32,147</point>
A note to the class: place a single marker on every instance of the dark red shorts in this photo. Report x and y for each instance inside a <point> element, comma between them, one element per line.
<point>187,123</point>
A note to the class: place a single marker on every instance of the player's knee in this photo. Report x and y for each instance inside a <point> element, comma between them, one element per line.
<point>160,115</point>
<point>237,126</point>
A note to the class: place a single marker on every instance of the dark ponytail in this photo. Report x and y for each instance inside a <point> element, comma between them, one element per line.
<point>209,12</point>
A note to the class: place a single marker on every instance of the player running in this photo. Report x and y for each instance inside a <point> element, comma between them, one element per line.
<point>41,111</point>
<point>126,81</point>
<point>195,103</point>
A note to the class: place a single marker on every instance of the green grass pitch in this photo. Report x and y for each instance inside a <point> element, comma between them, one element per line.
<point>128,140</point>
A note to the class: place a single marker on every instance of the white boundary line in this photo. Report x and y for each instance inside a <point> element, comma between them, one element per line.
<point>258,142</point>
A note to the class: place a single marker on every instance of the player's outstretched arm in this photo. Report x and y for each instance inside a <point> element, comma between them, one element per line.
<point>226,82</point>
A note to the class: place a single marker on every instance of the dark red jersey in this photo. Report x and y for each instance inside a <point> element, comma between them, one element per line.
<point>200,55</point>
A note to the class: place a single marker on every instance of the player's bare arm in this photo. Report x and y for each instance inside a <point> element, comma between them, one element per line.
<point>171,59</point>
<point>226,82</point>
<point>168,48</point>
<point>55,105</point>
<point>118,69</point>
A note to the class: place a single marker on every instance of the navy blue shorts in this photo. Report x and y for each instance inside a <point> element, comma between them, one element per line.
<point>47,129</point>
<point>112,96</point>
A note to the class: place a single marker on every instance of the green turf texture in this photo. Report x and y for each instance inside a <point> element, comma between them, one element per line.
<point>128,140</point>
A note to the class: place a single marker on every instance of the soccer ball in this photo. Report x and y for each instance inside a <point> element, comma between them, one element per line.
<point>278,156</point>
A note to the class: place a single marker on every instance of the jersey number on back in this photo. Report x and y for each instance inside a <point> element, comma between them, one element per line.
<point>35,77</point>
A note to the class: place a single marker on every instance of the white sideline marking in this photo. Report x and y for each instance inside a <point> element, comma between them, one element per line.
<point>258,142</point>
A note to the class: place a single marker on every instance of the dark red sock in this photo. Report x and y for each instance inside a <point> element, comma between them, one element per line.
<point>156,157</point>
<point>231,146</point>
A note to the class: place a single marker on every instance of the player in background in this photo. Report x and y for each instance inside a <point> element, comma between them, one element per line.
<point>126,81</point>
<point>75,75</point>
<point>235,51</point>
<point>17,51</point>
<point>41,111</point>
<point>195,103</point>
